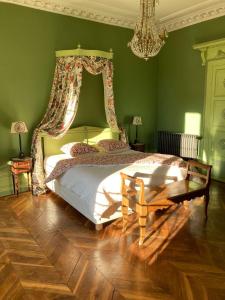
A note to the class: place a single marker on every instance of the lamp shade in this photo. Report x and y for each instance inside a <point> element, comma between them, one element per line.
<point>19,127</point>
<point>137,120</point>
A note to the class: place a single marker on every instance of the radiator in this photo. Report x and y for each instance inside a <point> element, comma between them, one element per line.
<point>180,144</point>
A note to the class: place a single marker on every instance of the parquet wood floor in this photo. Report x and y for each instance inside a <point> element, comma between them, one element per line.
<point>49,251</point>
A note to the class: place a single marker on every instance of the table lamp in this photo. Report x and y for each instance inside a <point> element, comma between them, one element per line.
<point>19,127</point>
<point>137,122</point>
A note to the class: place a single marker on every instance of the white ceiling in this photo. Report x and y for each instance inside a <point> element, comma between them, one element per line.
<point>174,14</point>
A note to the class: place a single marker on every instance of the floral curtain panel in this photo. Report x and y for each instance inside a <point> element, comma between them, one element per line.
<point>63,104</point>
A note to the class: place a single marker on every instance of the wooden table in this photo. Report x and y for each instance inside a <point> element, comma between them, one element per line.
<point>138,147</point>
<point>20,166</point>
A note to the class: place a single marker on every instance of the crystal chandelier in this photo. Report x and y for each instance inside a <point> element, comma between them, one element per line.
<point>147,40</point>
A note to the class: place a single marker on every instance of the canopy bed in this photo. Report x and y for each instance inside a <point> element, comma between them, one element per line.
<point>89,182</point>
<point>64,99</point>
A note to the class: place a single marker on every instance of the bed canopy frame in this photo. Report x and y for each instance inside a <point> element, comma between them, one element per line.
<point>64,100</point>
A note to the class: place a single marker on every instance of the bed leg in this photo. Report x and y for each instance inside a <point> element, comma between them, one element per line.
<point>98,227</point>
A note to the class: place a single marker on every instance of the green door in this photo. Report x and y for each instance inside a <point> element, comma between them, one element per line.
<point>214,129</point>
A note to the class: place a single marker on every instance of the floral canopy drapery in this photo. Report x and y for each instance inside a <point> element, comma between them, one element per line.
<point>63,104</point>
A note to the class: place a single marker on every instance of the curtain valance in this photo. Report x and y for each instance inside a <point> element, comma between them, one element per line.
<point>85,52</point>
<point>63,104</point>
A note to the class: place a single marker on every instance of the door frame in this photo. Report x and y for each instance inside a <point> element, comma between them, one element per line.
<point>211,52</point>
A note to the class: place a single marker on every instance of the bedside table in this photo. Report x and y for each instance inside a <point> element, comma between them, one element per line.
<point>20,166</point>
<point>138,147</point>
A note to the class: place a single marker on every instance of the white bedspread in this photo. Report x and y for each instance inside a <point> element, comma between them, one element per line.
<point>95,190</point>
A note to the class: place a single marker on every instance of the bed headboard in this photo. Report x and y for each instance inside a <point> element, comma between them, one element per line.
<point>87,134</point>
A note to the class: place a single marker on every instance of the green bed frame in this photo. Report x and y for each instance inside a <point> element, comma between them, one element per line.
<point>87,134</point>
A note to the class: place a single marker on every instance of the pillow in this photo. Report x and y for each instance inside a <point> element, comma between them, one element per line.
<point>77,148</point>
<point>112,144</point>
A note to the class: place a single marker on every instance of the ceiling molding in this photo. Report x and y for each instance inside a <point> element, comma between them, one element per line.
<point>91,15</point>
<point>184,18</point>
<point>198,16</point>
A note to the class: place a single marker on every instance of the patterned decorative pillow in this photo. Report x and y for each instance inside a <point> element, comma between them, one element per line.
<point>112,144</point>
<point>78,148</point>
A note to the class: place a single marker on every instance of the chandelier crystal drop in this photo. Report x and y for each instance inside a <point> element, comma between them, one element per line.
<point>147,40</point>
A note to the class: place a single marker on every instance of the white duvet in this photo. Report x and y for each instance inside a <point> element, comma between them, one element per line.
<point>95,190</point>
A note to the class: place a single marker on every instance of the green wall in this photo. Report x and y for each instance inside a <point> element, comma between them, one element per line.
<point>180,75</point>
<point>29,39</point>
<point>161,90</point>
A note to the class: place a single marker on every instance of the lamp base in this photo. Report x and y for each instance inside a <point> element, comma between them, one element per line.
<point>21,155</point>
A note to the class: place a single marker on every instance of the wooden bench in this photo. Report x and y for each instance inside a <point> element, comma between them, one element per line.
<point>154,198</point>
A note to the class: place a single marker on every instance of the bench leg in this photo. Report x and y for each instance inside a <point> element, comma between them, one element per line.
<point>143,214</point>
<point>186,204</point>
<point>125,204</point>
<point>98,227</point>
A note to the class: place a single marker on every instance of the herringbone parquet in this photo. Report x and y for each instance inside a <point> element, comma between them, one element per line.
<point>49,251</point>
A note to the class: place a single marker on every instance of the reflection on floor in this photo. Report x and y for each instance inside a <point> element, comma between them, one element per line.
<point>49,251</point>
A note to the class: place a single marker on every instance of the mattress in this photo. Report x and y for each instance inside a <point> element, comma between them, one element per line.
<point>94,190</point>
